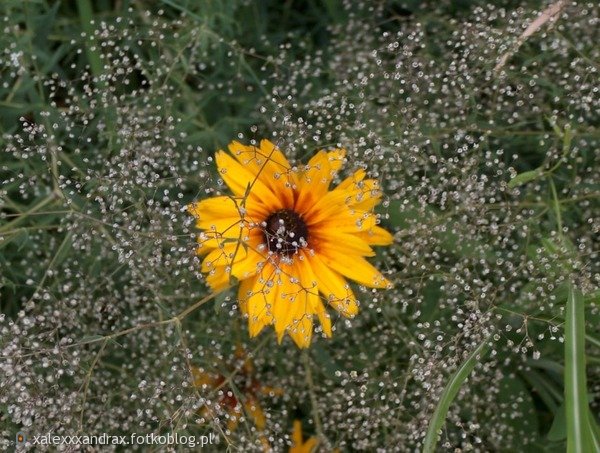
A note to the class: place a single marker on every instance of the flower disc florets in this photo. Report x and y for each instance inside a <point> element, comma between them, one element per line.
<point>285,232</point>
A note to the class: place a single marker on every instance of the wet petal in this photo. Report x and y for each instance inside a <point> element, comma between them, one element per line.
<point>243,183</point>
<point>315,179</point>
<point>269,164</point>
<point>334,288</point>
<point>357,269</point>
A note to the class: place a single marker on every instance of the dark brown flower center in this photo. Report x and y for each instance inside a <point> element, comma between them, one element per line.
<point>285,232</point>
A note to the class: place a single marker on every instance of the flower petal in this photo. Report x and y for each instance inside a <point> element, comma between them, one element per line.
<point>311,289</point>
<point>269,164</point>
<point>255,157</point>
<point>325,207</point>
<point>297,433</point>
<point>376,236</point>
<point>241,262</point>
<point>285,307</point>
<point>243,183</point>
<point>322,168</point>
<point>227,207</point>
<point>351,180</point>
<point>357,269</point>
<point>365,193</point>
<point>335,289</point>
<point>301,331</point>
<point>255,411</point>
<point>214,208</point>
<point>349,244</point>
<point>244,292</point>
<point>259,302</point>
<point>315,179</point>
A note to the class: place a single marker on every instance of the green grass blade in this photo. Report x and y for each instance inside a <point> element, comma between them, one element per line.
<point>592,340</point>
<point>449,393</point>
<point>87,16</point>
<point>595,431</point>
<point>579,436</point>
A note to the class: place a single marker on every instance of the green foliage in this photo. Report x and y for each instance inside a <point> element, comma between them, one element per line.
<point>580,436</point>
<point>450,392</point>
<point>110,114</point>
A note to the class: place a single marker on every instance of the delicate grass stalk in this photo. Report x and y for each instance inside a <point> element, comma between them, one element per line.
<point>313,396</point>
<point>449,393</point>
<point>111,337</point>
<point>595,431</point>
<point>592,340</point>
<point>60,253</point>
<point>86,384</point>
<point>86,16</point>
<point>549,14</point>
<point>579,436</point>
<point>532,175</point>
<point>557,209</point>
<point>11,225</point>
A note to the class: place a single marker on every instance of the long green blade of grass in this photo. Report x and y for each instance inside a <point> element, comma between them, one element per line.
<point>449,393</point>
<point>87,16</point>
<point>579,436</point>
<point>595,431</point>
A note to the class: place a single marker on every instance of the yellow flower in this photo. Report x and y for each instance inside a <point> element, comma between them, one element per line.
<point>288,239</point>
<point>298,446</point>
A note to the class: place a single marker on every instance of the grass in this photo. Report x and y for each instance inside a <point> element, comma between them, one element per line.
<point>580,434</point>
<point>110,114</point>
<point>457,380</point>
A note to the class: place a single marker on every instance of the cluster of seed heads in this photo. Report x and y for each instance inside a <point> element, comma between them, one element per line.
<point>87,344</point>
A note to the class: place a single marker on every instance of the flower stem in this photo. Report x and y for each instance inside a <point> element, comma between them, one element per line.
<point>313,396</point>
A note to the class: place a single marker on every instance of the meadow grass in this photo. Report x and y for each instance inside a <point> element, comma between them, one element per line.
<point>483,132</point>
